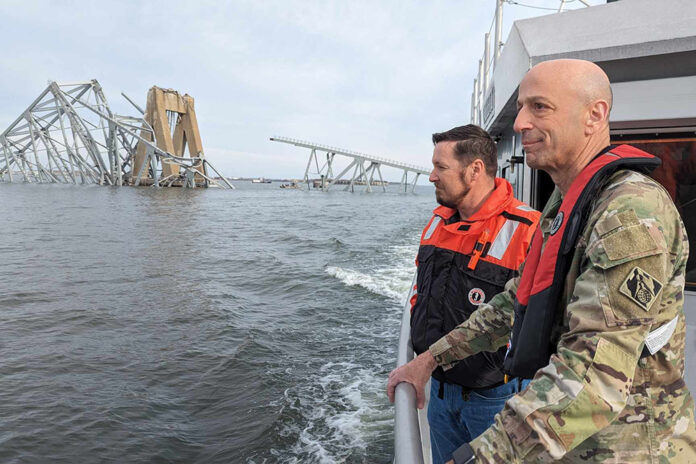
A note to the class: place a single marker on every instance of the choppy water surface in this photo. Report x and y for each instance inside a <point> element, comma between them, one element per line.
<point>255,325</point>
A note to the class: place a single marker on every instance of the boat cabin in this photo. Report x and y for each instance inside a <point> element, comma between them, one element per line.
<point>648,50</point>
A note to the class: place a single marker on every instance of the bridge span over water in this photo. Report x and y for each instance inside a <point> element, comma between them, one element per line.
<point>364,167</point>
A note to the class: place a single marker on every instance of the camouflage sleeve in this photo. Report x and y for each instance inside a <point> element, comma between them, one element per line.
<point>629,259</point>
<point>487,329</point>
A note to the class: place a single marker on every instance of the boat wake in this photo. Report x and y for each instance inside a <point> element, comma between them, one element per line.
<point>391,281</point>
<point>341,414</point>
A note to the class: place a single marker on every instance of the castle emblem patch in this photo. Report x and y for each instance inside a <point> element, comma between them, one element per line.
<point>557,222</point>
<point>476,296</point>
<point>641,288</point>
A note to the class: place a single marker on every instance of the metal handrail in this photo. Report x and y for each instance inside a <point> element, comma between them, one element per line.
<point>489,60</point>
<point>408,448</point>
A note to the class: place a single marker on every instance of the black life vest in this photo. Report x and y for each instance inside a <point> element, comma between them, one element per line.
<point>538,300</point>
<point>461,265</point>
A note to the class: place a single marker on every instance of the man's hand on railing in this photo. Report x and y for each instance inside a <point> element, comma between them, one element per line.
<point>417,373</point>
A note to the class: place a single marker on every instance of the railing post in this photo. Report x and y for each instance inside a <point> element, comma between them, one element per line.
<point>480,90</point>
<point>498,28</point>
<point>486,63</point>
<point>476,101</point>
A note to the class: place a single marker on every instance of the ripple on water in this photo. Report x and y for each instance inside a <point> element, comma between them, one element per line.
<point>180,326</point>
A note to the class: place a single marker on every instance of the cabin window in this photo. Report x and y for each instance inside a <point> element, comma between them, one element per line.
<point>678,175</point>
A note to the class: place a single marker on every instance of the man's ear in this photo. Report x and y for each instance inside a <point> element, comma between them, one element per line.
<point>597,116</point>
<point>476,168</point>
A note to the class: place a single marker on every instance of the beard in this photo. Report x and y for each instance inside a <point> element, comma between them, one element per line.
<point>452,200</point>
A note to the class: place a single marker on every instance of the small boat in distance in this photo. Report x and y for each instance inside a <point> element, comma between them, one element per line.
<point>261,180</point>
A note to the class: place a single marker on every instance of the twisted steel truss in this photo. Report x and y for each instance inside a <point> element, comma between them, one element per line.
<point>69,135</point>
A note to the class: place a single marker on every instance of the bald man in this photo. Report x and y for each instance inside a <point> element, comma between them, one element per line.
<point>598,316</point>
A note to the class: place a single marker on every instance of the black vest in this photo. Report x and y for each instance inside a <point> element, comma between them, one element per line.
<point>444,282</point>
<point>449,290</point>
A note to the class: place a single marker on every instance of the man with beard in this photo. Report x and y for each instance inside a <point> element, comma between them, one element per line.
<point>472,246</point>
<point>598,308</point>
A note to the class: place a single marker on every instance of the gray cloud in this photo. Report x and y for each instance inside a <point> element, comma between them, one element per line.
<point>375,77</point>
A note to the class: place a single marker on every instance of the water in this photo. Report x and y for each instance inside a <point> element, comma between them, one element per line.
<point>256,325</point>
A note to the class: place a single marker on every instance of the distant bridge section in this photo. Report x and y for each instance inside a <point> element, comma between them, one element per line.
<point>69,135</point>
<point>364,167</point>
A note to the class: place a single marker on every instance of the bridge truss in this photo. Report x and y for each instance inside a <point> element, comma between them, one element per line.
<point>363,166</point>
<point>69,135</point>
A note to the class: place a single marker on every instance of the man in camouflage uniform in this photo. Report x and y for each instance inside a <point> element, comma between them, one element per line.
<point>598,399</point>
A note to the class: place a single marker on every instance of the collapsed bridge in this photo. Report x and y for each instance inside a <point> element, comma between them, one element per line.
<point>364,167</point>
<point>70,135</point>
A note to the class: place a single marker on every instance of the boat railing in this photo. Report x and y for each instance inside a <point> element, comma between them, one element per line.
<point>481,103</point>
<point>408,448</point>
<point>482,81</point>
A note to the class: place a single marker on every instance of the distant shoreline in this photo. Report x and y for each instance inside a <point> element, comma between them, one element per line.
<point>299,181</point>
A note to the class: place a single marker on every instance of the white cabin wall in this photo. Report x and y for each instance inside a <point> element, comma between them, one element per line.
<point>514,62</point>
<point>654,100</point>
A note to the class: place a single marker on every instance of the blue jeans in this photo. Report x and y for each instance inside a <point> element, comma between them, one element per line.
<point>455,420</point>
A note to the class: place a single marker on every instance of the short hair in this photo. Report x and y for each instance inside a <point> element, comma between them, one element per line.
<point>472,142</point>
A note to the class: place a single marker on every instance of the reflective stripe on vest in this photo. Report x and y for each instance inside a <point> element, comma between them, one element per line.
<point>433,226</point>
<point>525,208</point>
<point>502,240</point>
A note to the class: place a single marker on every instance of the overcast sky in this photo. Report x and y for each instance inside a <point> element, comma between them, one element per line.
<point>372,76</point>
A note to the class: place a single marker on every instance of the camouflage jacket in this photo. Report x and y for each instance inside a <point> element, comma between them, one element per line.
<point>597,400</point>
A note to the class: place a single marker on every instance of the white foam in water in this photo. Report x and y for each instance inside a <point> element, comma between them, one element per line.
<point>314,448</point>
<point>338,415</point>
<point>343,407</point>
<point>392,282</point>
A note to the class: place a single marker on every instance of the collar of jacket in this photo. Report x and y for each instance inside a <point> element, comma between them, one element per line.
<point>495,203</point>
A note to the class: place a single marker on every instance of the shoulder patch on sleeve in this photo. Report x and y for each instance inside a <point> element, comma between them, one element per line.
<point>641,288</point>
<point>613,222</point>
<point>608,224</point>
<point>629,242</point>
<point>628,218</point>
